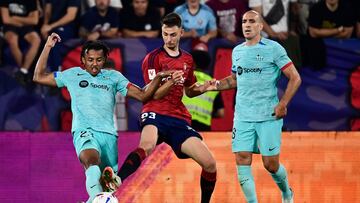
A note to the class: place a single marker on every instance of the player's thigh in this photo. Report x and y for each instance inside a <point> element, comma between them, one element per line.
<point>269,137</point>
<point>195,148</point>
<point>244,137</point>
<point>85,139</point>
<point>149,137</point>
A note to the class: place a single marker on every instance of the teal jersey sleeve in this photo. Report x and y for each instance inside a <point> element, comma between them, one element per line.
<point>122,83</point>
<point>281,59</point>
<point>62,77</point>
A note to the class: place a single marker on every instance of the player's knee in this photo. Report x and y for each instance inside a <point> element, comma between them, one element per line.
<point>147,147</point>
<point>89,158</point>
<point>210,165</point>
<point>243,158</point>
<point>272,167</point>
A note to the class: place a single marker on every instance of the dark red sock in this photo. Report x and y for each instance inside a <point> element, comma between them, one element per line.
<point>131,163</point>
<point>207,184</point>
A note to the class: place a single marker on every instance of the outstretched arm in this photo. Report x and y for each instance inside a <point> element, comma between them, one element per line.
<point>196,89</point>
<point>293,85</point>
<point>148,91</point>
<point>40,74</point>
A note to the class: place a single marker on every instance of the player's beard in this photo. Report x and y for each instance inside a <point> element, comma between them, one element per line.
<point>171,46</point>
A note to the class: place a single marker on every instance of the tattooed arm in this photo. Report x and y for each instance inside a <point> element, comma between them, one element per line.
<point>226,83</point>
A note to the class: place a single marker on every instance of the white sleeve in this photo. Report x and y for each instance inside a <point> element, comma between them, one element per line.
<point>116,3</point>
<point>255,3</point>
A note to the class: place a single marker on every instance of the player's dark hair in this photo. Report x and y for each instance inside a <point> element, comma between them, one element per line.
<point>95,45</point>
<point>172,19</point>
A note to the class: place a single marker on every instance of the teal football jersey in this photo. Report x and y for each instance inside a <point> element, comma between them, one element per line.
<point>92,97</point>
<point>257,70</point>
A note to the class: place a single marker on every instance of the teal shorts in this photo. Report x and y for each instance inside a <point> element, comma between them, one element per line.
<point>105,143</point>
<point>257,137</point>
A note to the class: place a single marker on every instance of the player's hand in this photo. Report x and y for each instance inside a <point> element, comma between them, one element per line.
<point>166,73</point>
<point>280,111</point>
<point>52,40</point>
<point>177,77</point>
<point>207,86</point>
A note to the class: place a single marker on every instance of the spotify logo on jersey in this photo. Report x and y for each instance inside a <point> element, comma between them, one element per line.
<point>239,70</point>
<point>83,83</point>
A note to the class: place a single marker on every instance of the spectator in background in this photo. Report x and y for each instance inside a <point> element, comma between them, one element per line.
<point>328,18</point>
<point>158,4</point>
<point>170,5</point>
<point>228,15</point>
<point>356,4</point>
<point>358,27</point>
<point>276,17</point>
<point>331,18</point>
<point>198,20</point>
<point>140,20</point>
<point>20,19</point>
<point>60,16</point>
<point>210,104</point>
<point>304,8</point>
<point>113,3</point>
<point>101,21</point>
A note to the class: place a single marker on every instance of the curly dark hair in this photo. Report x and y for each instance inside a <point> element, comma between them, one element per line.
<point>94,45</point>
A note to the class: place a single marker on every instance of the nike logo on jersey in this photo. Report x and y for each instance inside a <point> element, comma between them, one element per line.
<point>80,74</point>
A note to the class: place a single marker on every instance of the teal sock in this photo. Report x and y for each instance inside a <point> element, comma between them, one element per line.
<point>280,178</point>
<point>93,186</point>
<point>247,183</point>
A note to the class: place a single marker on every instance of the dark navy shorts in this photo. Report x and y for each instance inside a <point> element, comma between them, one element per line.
<point>21,31</point>
<point>173,131</point>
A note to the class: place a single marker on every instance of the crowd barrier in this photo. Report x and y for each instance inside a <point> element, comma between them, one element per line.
<point>323,167</point>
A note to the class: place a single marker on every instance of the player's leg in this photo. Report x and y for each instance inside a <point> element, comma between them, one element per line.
<point>270,143</point>
<point>88,151</point>
<point>90,159</point>
<point>195,148</point>
<point>109,161</point>
<point>244,145</point>
<point>133,161</point>
<point>150,123</point>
